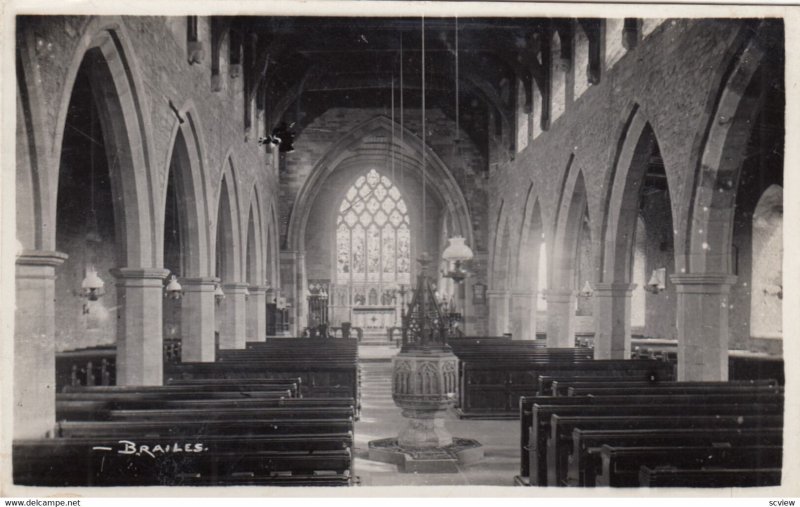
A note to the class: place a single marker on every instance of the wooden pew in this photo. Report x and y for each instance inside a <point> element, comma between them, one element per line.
<point>560,387</point>
<point>493,388</point>
<point>712,478</point>
<point>621,465</point>
<point>310,460</point>
<point>536,415</point>
<point>585,463</point>
<point>560,442</point>
<point>670,388</point>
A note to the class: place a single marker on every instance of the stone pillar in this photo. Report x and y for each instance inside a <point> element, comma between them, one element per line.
<point>612,320</point>
<point>140,355</point>
<point>197,319</point>
<point>288,288</point>
<point>498,311</point>
<point>300,301</point>
<point>233,332</point>
<point>560,317</point>
<point>702,321</point>
<point>34,344</point>
<point>523,315</point>
<point>257,314</point>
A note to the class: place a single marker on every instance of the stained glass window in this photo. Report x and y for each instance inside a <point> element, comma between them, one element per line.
<point>373,239</point>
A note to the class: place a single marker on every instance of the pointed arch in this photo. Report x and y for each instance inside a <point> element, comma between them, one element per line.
<point>227,244</point>
<point>105,48</point>
<point>532,235</point>
<point>253,241</point>
<point>186,158</point>
<point>722,144</point>
<point>572,209</point>
<point>625,183</point>
<point>346,152</point>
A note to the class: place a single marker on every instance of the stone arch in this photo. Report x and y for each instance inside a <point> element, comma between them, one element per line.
<point>345,153</point>
<point>624,183</point>
<point>499,273</point>
<point>722,148</point>
<point>127,134</point>
<point>227,244</point>
<point>526,278</point>
<point>273,248</point>
<point>186,157</point>
<point>572,210</point>
<point>573,207</point>
<point>253,241</point>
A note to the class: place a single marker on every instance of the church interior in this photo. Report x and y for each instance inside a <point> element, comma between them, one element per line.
<point>398,251</point>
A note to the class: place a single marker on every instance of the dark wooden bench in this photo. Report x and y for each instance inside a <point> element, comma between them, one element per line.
<point>669,388</point>
<point>712,478</point>
<point>493,388</point>
<point>621,465</point>
<point>560,387</point>
<point>560,443</point>
<point>536,413</point>
<point>585,461</point>
<point>316,460</point>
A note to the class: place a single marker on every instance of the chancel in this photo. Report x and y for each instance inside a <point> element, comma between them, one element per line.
<point>280,250</point>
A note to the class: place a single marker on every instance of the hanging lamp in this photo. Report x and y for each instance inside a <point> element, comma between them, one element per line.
<point>173,290</point>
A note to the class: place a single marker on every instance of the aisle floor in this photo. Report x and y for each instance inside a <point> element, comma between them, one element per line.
<point>380,418</point>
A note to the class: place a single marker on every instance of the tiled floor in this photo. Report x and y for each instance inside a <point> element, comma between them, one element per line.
<point>380,418</point>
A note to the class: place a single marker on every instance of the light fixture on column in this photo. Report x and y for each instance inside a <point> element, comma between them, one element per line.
<point>657,281</point>
<point>173,290</point>
<point>92,286</point>
<point>456,253</point>
<point>246,293</point>
<point>219,295</point>
<point>586,291</point>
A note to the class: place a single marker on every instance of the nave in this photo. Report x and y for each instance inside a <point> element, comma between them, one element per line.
<point>273,250</point>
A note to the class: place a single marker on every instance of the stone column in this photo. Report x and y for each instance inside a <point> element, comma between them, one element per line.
<point>288,288</point>
<point>257,314</point>
<point>612,320</point>
<point>34,343</point>
<point>523,315</point>
<point>560,317</point>
<point>498,311</point>
<point>233,332</point>
<point>702,321</point>
<point>197,320</point>
<point>140,355</point>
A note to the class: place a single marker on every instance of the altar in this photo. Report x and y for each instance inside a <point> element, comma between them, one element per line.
<point>375,318</point>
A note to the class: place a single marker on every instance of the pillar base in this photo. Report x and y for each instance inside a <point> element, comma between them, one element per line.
<point>430,460</point>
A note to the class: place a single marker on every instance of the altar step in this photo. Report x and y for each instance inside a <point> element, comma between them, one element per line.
<point>374,339</point>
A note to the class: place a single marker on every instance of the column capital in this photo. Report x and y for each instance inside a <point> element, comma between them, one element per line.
<point>257,289</point>
<point>555,294</point>
<point>523,294</point>
<point>199,284</point>
<point>235,287</point>
<point>140,273</point>
<point>48,258</point>
<point>140,277</point>
<point>496,293</point>
<point>613,288</point>
<point>703,283</point>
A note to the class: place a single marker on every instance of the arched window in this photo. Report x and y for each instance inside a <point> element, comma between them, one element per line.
<point>767,275</point>
<point>373,237</point>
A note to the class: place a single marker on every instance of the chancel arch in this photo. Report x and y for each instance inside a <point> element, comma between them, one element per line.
<point>313,223</point>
